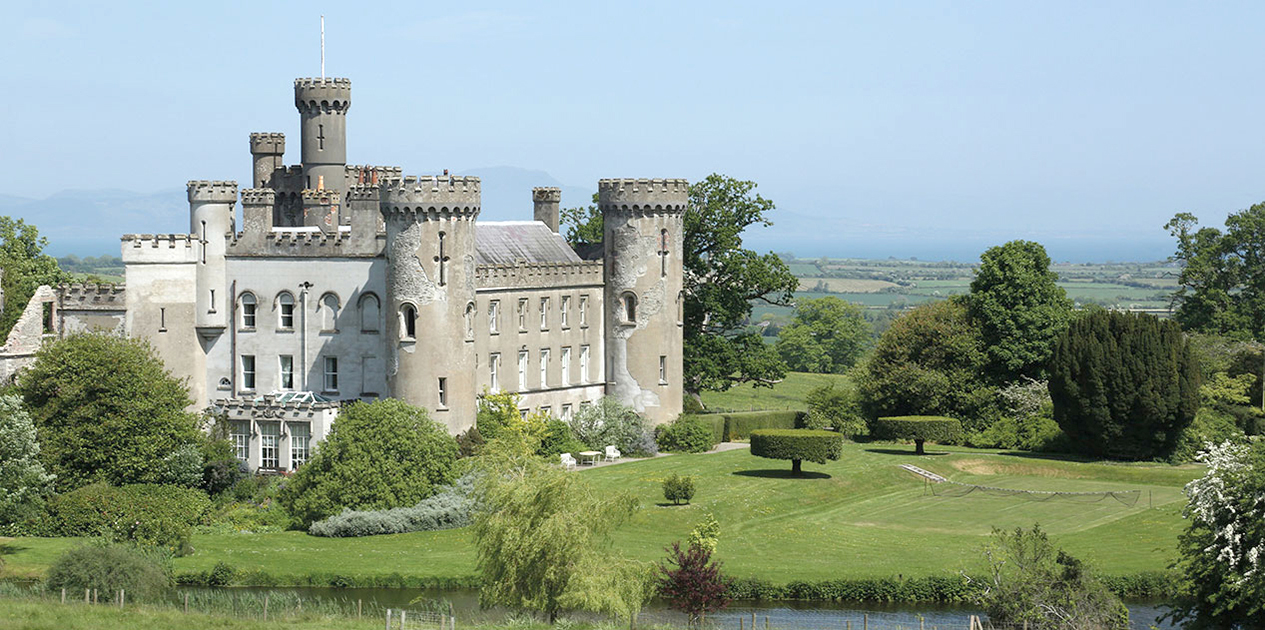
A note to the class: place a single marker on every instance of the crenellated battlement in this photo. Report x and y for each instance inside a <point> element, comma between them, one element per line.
<point>436,195</point>
<point>549,194</point>
<point>363,192</point>
<point>270,143</point>
<point>212,191</point>
<point>258,197</point>
<point>365,174</point>
<point>644,195</point>
<point>538,275</point>
<point>328,95</point>
<point>159,248</point>
<point>91,296</point>
<point>324,196</point>
<point>307,238</point>
<point>169,241</point>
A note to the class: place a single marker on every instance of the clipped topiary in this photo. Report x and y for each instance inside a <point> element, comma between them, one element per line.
<point>920,429</point>
<point>797,445</point>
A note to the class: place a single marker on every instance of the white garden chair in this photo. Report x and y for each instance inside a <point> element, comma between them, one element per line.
<point>612,453</point>
<point>568,462</point>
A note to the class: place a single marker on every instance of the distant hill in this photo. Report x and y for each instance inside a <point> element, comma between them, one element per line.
<point>90,222</point>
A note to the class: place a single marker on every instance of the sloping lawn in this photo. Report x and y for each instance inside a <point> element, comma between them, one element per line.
<point>862,516</point>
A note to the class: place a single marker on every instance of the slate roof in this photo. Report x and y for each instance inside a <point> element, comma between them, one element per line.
<point>507,242</point>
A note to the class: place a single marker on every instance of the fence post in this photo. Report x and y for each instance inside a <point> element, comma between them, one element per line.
<point>63,595</point>
<point>741,621</point>
<point>94,596</point>
<point>122,597</point>
<point>265,607</point>
<point>86,593</point>
<point>358,607</point>
<point>403,616</point>
<point>452,621</point>
<point>388,619</point>
<point>865,621</point>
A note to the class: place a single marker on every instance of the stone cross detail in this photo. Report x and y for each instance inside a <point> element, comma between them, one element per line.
<point>442,259</point>
<point>663,253</point>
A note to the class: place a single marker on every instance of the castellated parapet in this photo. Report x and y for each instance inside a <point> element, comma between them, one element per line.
<point>158,248</point>
<point>327,95</point>
<point>201,191</point>
<point>259,197</point>
<point>91,296</point>
<point>267,143</point>
<point>644,195</point>
<point>537,275</point>
<point>436,196</point>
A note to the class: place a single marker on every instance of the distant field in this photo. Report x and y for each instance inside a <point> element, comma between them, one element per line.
<point>845,285</point>
<point>789,394</point>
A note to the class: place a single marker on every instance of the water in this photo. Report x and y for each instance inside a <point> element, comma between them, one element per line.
<point>781,615</point>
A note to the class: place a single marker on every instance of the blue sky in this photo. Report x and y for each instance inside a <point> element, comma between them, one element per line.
<point>874,126</point>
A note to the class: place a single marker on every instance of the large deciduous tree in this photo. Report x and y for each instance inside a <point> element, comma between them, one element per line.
<point>828,336</point>
<point>1222,282</point>
<point>106,409</point>
<point>25,266</point>
<point>1223,547</point>
<point>722,279</point>
<point>379,455</point>
<point>1124,385</point>
<point>1019,308</point>
<point>23,481</point>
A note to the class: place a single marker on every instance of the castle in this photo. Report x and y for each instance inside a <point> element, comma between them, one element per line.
<point>356,283</point>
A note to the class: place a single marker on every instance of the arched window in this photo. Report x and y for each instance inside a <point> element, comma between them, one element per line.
<point>369,312</point>
<point>630,308</point>
<point>285,311</point>
<point>408,321</point>
<point>249,310</point>
<point>329,312</point>
<point>470,320</point>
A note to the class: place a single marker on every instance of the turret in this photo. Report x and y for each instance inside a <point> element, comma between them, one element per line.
<point>210,222</point>
<point>545,202</point>
<point>323,105</point>
<point>267,154</point>
<point>642,232</point>
<point>430,225</point>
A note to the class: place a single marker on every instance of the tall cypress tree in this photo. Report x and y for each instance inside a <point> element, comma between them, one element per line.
<point>1124,385</point>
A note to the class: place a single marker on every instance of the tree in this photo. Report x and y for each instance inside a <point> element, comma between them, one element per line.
<point>920,429</point>
<point>1019,308</point>
<point>1222,282</point>
<point>1124,385</point>
<point>929,363</point>
<point>610,422</point>
<point>1043,588</point>
<point>378,455</point>
<point>828,336</point>
<point>797,445</point>
<point>105,408</point>
<point>538,529</point>
<point>692,583</point>
<point>721,281</point>
<point>25,266</point>
<point>837,408</point>
<point>583,226</point>
<point>23,482</point>
<point>1221,560</point>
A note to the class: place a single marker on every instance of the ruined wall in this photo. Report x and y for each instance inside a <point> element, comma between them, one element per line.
<point>161,279</point>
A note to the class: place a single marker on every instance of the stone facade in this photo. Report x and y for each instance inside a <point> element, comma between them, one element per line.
<point>356,283</point>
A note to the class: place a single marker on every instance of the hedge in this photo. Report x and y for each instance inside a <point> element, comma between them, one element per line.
<point>797,445</point>
<point>919,429</point>
<point>97,508</point>
<point>738,426</point>
<point>686,434</point>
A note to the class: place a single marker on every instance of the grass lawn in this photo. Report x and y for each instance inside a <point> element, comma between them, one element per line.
<point>858,517</point>
<point>789,394</point>
<point>47,615</point>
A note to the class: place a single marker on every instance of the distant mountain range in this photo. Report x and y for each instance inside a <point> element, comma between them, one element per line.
<point>90,222</point>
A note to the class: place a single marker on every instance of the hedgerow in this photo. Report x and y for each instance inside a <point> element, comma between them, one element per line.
<point>686,434</point>
<point>739,425</point>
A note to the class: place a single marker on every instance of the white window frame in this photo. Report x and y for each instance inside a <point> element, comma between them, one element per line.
<point>269,443</point>
<point>544,368</point>
<point>239,433</point>
<point>250,311</point>
<point>544,313</point>
<point>329,374</point>
<point>494,317</point>
<point>285,311</point>
<point>584,311</point>
<point>494,369</point>
<point>584,364</point>
<point>566,366</point>
<point>523,358</point>
<point>285,371</point>
<point>443,391</point>
<point>564,311</point>
<point>566,412</point>
<point>522,314</point>
<point>663,369</point>
<point>249,376</point>
<point>300,445</point>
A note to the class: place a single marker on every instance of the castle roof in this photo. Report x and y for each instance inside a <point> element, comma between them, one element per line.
<point>508,242</point>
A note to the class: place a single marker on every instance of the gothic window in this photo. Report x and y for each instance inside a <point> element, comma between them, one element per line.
<point>369,313</point>
<point>329,312</point>
<point>285,311</point>
<point>630,308</point>
<point>250,310</point>
<point>408,322</point>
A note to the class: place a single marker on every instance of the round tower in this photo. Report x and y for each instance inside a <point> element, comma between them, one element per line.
<point>210,222</point>
<point>643,235</point>
<point>323,105</point>
<point>430,249</point>
<point>267,154</point>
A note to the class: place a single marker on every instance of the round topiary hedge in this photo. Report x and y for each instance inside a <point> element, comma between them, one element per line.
<point>797,445</point>
<point>920,429</point>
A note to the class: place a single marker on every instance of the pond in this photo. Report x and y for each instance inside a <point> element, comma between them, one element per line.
<point>780,615</point>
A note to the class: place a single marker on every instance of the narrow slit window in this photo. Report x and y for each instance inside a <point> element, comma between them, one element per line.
<point>408,322</point>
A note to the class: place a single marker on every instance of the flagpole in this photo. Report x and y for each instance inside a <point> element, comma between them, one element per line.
<point>322,47</point>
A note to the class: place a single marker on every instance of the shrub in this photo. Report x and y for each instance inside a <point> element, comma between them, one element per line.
<point>738,426</point>
<point>221,574</point>
<point>109,569</point>
<point>1210,427</point>
<point>181,467</point>
<point>223,474</point>
<point>677,488</point>
<point>706,534</point>
<point>378,456</point>
<point>686,434</point>
<point>1124,385</point>
<point>610,422</point>
<point>450,508</point>
<point>558,439</point>
<point>100,509</point>
<point>920,429</point>
<point>837,408</point>
<point>797,445</point>
<point>23,481</point>
<point>469,443</point>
